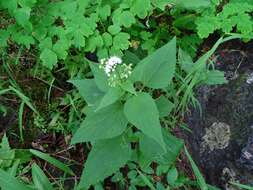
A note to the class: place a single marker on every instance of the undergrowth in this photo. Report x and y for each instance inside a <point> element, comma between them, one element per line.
<point>109,80</point>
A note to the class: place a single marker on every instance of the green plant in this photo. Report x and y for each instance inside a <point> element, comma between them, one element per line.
<point>104,27</point>
<point>11,168</point>
<point>123,110</point>
<point>235,16</point>
<point>57,26</point>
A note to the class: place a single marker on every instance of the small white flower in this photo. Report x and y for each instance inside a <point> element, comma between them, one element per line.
<point>110,64</point>
<point>114,60</point>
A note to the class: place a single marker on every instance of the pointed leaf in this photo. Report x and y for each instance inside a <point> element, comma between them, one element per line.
<point>111,96</point>
<point>8,182</point>
<point>142,112</point>
<point>40,180</point>
<point>100,77</point>
<point>105,158</point>
<point>157,70</point>
<point>52,161</point>
<point>88,90</point>
<point>103,124</point>
<point>164,106</point>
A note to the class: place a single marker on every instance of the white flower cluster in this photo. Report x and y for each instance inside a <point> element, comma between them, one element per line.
<point>116,71</point>
<point>110,64</point>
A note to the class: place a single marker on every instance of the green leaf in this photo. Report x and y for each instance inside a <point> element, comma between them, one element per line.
<point>49,58</point>
<point>142,112</point>
<point>146,181</point>
<point>11,5</point>
<point>106,123</point>
<point>88,90</point>
<point>105,158</point>
<point>4,37</point>
<point>114,29</point>
<point>192,4</point>
<point>100,77</point>
<point>40,180</point>
<point>26,3</point>
<point>95,41</point>
<point>185,61</point>
<point>8,182</point>
<point>128,86</point>
<point>6,154</point>
<point>78,39</point>
<point>125,18</point>
<point>207,25</point>
<point>23,39</point>
<point>172,176</point>
<point>22,15</point>
<point>164,106</point>
<point>151,151</point>
<point>200,178</point>
<point>111,96</point>
<point>52,161</point>
<point>14,168</point>
<point>157,70</point>
<point>214,77</point>
<point>61,47</point>
<point>46,43</point>
<point>107,39</point>
<point>104,11</point>
<point>161,4</point>
<point>141,8</point>
<point>121,41</point>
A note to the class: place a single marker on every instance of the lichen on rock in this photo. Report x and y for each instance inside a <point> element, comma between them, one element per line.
<point>217,136</point>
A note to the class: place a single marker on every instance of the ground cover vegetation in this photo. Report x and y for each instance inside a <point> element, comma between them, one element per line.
<point>92,92</point>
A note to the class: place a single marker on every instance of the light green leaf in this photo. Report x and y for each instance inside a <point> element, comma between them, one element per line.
<point>207,25</point>
<point>114,29</point>
<point>52,161</point>
<point>88,90</point>
<point>105,158</point>
<point>22,15</point>
<point>192,4</point>
<point>157,70</point>
<point>141,111</point>
<point>8,182</point>
<point>160,3</point>
<point>125,18</point>
<point>40,180</point>
<point>4,37</point>
<point>27,3</point>
<point>111,96</point>
<point>46,43</point>
<point>107,39</point>
<point>121,41</point>
<point>49,58</point>
<point>164,106</point>
<point>78,39</point>
<point>104,11</point>
<point>94,42</point>
<point>141,8</point>
<point>106,123</point>
<point>61,47</point>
